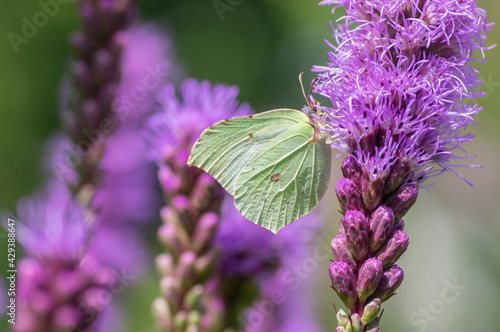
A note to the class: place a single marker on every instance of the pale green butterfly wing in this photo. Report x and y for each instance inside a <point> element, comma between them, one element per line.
<point>224,149</point>
<point>285,180</point>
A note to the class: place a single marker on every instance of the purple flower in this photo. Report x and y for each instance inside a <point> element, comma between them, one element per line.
<point>247,249</point>
<point>183,117</point>
<point>275,264</point>
<point>127,193</point>
<point>70,266</point>
<point>398,82</point>
<point>148,62</point>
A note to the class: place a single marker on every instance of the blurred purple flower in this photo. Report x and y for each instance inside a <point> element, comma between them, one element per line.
<point>191,215</point>
<point>127,193</point>
<point>183,117</point>
<point>249,251</point>
<point>71,269</point>
<point>148,62</point>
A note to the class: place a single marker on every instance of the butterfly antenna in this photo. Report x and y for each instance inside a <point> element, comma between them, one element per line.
<point>308,102</point>
<point>312,85</point>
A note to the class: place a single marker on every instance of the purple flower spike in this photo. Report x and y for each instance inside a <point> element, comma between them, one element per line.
<point>390,281</point>
<point>402,200</point>
<point>368,278</point>
<point>393,249</point>
<point>399,79</point>
<point>344,282</point>
<point>341,253</point>
<point>381,226</point>
<point>65,267</point>
<point>349,195</point>
<point>356,232</point>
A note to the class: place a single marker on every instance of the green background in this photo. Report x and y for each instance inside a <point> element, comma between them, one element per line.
<point>262,46</point>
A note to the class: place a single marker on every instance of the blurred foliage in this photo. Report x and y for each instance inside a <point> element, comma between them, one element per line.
<point>261,46</point>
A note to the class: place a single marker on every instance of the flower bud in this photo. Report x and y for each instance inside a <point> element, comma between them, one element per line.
<point>381,225</point>
<point>165,264</point>
<point>348,195</point>
<point>181,158</point>
<point>169,236</point>
<point>368,140</point>
<point>402,200</point>
<point>375,329</point>
<point>390,281</point>
<point>372,183</point>
<point>399,225</point>
<point>205,263</point>
<point>180,320</point>
<point>341,253</point>
<point>92,112</point>
<point>356,233</point>
<point>162,313</point>
<point>205,230</point>
<point>81,43</point>
<point>171,289</point>
<point>393,248</point>
<point>170,183</point>
<point>398,173</point>
<point>185,266</point>
<point>102,61</point>
<point>343,282</point>
<point>67,283</point>
<point>81,74</point>
<point>342,317</point>
<point>352,170</point>
<point>181,203</point>
<point>206,192</point>
<point>93,297</point>
<point>169,215</point>
<point>340,329</point>
<point>66,318</point>
<point>193,296</point>
<point>357,325</point>
<point>368,277</point>
<point>193,320</point>
<point>41,302</point>
<point>373,324</point>
<point>371,311</point>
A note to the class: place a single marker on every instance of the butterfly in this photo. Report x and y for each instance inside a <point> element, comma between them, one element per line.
<point>276,164</point>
